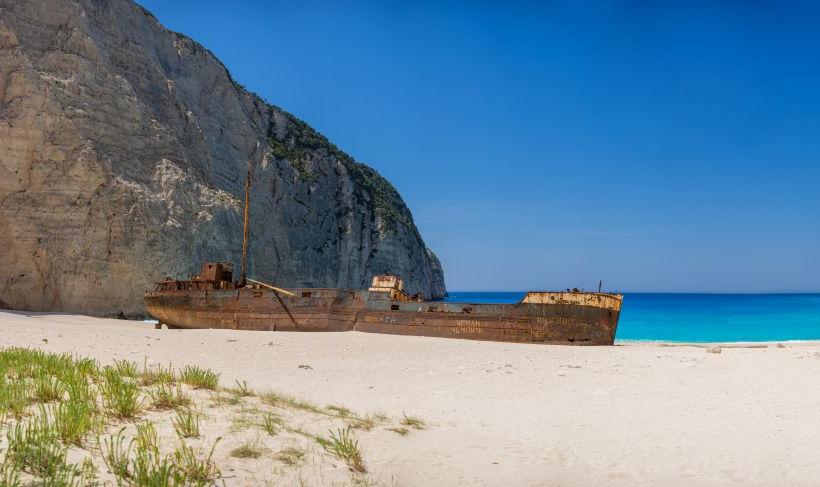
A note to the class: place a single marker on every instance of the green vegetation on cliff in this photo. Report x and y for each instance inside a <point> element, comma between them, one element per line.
<point>301,142</point>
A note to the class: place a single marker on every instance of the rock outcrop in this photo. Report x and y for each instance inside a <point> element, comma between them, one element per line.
<point>123,154</point>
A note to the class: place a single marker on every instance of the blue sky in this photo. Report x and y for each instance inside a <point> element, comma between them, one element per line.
<point>545,145</point>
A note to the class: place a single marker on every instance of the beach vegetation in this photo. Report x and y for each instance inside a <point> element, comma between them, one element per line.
<point>120,394</point>
<point>365,423</point>
<point>241,389</point>
<point>248,449</point>
<point>116,450</point>
<point>75,420</point>
<point>343,445</point>
<point>195,469</point>
<point>126,368</point>
<point>291,456</point>
<point>270,423</point>
<point>186,423</point>
<point>220,399</point>
<point>34,448</point>
<point>286,401</point>
<point>157,375</point>
<point>199,378</point>
<point>340,411</point>
<point>165,395</point>
<point>54,406</point>
<point>146,439</point>
<point>412,422</point>
<point>150,469</point>
<point>400,430</point>
<point>46,387</point>
<point>14,397</point>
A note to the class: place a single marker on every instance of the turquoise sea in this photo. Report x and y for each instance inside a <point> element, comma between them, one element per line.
<point>702,317</point>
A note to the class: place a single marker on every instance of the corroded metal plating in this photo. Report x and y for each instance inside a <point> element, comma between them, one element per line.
<point>210,301</point>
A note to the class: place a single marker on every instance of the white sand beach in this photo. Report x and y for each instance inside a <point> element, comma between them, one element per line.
<point>506,414</point>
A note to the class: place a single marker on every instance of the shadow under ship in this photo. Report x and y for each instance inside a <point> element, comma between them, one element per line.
<point>213,299</point>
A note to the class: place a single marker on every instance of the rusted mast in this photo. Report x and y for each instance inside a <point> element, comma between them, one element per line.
<point>246,217</point>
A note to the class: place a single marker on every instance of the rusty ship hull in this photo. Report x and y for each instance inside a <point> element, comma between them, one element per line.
<point>541,317</point>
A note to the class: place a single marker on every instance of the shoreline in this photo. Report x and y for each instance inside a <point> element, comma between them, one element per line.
<point>507,413</point>
<point>628,342</point>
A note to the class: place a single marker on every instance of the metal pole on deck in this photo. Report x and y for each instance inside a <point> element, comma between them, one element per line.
<point>246,217</point>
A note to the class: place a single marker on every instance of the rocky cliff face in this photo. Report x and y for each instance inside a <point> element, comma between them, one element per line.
<point>123,154</point>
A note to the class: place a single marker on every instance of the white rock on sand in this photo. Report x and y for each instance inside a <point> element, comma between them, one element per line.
<point>511,414</point>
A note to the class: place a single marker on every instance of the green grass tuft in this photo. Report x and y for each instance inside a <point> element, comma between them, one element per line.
<point>248,449</point>
<point>412,422</point>
<point>165,396</point>
<point>46,387</point>
<point>199,378</point>
<point>400,430</point>
<point>74,420</point>
<point>115,453</point>
<point>241,390</point>
<point>283,400</point>
<point>271,423</point>
<point>121,395</point>
<point>196,470</point>
<point>186,423</point>
<point>34,448</point>
<point>157,375</point>
<point>343,445</point>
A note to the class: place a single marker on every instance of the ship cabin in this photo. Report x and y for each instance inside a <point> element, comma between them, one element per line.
<point>390,288</point>
<point>214,275</point>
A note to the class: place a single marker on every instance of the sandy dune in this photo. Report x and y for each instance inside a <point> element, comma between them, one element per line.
<point>508,414</point>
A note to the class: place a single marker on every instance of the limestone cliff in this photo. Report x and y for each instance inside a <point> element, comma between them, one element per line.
<point>123,151</point>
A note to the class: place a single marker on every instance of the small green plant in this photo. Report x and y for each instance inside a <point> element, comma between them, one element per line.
<point>87,367</point>
<point>400,430</point>
<point>126,368</point>
<point>343,445</point>
<point>14,397</point>
<point>291,456</point>
<point>365,423</point>
<point>248,449</point>
<point>79,389</point>
<point>199,378</point>
<point>412,422</point>
<point>196,470</point>
<point>74,420</point>
<point>283,400</point>
<point>270,423</point>
<point>146,439</point>
<point>10,473</point>
<point>241,390</point>
<point>46,387</point>
<point>115,453</point>
<point>186,423</point>
<point>165,396</point>
<point>33,448</point>
<point>152,470</point>
<point>340,411</point>
<point>121,395</point>
<point>156,375</point>
<point>219,399</point>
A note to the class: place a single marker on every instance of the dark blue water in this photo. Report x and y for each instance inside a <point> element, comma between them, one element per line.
<point>702,317</point>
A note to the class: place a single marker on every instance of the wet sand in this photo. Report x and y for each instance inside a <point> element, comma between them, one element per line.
<point>511,414</point>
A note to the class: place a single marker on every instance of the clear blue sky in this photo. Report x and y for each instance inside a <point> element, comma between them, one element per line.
<point>552,144</point>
